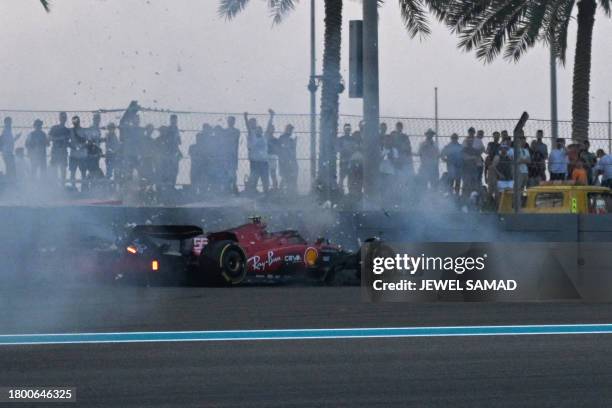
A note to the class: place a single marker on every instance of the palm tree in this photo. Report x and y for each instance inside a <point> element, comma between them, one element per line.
<point>514,26</point>
<point>414,15</point>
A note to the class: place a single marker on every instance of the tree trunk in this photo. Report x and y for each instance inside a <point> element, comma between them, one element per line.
<point>329,94</point>
<point>582,70</point>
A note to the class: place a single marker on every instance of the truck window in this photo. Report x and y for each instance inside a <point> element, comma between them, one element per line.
<point>549,200</point>
<point>599,203</point>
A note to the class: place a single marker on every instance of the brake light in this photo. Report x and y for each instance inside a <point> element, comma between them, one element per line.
<point>155,265</point>
<point>310,256</point>
<point>132,249</point>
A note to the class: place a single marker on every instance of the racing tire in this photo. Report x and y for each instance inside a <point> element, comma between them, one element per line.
<point>223,263</point>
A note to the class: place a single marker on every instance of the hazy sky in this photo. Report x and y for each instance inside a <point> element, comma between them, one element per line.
<point>179,54</point>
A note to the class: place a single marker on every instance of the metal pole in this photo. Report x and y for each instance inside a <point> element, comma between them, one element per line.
<point>553,97</point>
<point>370,99</point>
<point>313,97</point>
<point>436,113</point>
<point>609,127</point>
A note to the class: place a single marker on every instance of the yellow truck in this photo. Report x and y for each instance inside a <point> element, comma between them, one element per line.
<point>554,198</point>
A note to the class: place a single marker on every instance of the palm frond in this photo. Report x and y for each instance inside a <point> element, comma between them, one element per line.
<point>280,8</point>
<point>529,29</point>
<point>228,9</point>
<point>46,4</point>
<point>414,16</point>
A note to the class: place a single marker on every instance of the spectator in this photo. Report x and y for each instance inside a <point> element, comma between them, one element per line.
<point>172,145</point>
<point>272,150</point>
<point>148,153</point>
<point>7,146</point>
<point>388,158</point>
<point>258,156</point>
<point>539,155</point>
<point>355,177</point>
<point>491,151</point>
<point>589,159</point>
<point>131,137</point>
<point>232,141</point>
<point>78,151</point>
<point>524,159</point>
<point>479,145</point>
<point>197,154</point>
<point>37,143</point>
<point>345,149</point>
<point>60,136</point>
<point>604,167</point>
<point>579,174</point>
<point>287,154</point>
<point>113,148</point>
<point>94,151</point>
<point>558,161</point>
<point>503,167</point>
<point>401,142</point>
<point>429,153</point>
<point>452,154</point>
<point>505,137</point>
<point>471,161</point>
<point>383,132</point>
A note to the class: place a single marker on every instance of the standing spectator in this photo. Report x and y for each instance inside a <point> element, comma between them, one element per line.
<point>355,176</point>
<point>232,141</point>
<point>503,167</point>
<point>383,132</point>
<point>7,146</point>
<point>148,152</point>
<point>471,161</point>
<point>60,136</point>
<point>287,154</point>
<point>452,154</point>
<point>589,159</point>
<point>197,154</point>
<point>479,145</point>
<point>388,158</point>
<point>272,150</point>
<point>579,174</point>
<point>78,152</point>
<point>405,169</point>
<point>173,144</point>
<point>37,143</point>
<point>258,155</point>
<point>558,161</point>
<point>94,151</point>
<point>428,151</point>
<point>131,137</point>
<point>539,153</point>
<point>491,151</point>
<point>345,149</point>
<point>524,159</point>
<point>113,148</point>
<point>604,167</point>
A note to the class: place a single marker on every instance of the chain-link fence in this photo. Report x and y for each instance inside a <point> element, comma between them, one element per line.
<point>191,123</point>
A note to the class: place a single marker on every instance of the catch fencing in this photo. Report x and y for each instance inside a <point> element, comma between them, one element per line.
<point>191,123</point>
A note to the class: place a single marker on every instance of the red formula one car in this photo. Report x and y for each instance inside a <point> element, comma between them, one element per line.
<point>185,255</point>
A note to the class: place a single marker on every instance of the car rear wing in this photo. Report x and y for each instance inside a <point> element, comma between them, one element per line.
<point>167,232</point>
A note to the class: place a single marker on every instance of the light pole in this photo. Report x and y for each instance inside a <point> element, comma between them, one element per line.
<point>370,98</point>
<point>312,87</point>
<point>436,114</point>
<point>553,97</point>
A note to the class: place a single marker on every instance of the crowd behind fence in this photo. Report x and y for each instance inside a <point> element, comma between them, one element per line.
<point>190,124</point>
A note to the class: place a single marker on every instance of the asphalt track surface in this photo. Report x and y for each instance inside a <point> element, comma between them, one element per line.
<point>534,370</point>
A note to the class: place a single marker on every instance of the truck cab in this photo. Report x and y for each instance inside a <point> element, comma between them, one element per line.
<point>560,198</point>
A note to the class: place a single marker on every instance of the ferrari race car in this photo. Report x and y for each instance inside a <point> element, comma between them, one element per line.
<point>183,254</point>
